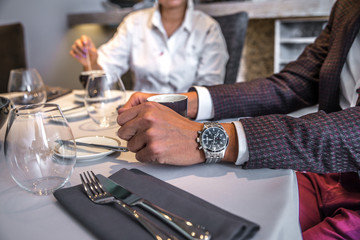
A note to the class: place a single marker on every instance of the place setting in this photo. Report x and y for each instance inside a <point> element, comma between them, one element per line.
<point>58,133</point>
<point>93,148</point>
<point>26,87</point>
<point>103,93</point>
<point>39,146</point>
<point>135,205</point>
<point>41,153</point>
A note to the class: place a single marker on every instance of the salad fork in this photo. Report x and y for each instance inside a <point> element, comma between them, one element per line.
<point>98,195</point>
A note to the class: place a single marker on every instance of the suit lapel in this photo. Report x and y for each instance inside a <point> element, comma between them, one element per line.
<point>345,27</point>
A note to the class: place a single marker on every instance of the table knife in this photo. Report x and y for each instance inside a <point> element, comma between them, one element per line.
<point>109,147</point>
<point>186,228</point>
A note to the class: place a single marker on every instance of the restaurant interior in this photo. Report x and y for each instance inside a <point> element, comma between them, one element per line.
<point>154,201</point>
<point>50,29</point>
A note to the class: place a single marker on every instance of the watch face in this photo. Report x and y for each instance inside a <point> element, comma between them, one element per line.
<point>214,139</point>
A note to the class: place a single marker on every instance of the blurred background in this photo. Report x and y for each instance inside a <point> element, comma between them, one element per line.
<point>52,26</point>
<point>48,37</point>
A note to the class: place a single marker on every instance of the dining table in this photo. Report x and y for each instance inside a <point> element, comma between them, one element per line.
<point>267,197</point>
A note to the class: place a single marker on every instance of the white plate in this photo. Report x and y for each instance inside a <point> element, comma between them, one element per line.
<point>90,153</point>
<point>84,153</point>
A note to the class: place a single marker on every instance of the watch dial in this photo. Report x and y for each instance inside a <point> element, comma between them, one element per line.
<point>214,139</point>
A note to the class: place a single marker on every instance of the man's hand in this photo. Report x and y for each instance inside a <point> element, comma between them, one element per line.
<point>158,134</point>
<point>135,99</point>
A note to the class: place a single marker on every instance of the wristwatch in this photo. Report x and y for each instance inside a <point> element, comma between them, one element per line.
<point>213,140</point>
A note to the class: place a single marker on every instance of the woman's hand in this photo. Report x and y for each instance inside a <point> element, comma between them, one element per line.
<point>85,52</point>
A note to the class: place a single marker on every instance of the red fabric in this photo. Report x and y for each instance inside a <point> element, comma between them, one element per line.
<point>329,205</point>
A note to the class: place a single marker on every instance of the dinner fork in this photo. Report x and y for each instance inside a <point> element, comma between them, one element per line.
<point>99,195</point>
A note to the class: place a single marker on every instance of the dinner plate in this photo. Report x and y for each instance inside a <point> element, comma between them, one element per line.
<point>84,153</point>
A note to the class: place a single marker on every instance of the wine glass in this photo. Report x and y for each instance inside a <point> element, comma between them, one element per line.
<point>104,94</point>
<point>26,87</point>
<point>39,148</point>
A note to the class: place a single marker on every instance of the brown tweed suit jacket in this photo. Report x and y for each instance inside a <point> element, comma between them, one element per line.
<point>326,141</point>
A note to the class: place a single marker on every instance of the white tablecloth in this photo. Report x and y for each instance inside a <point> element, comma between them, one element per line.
<point>267,197</point>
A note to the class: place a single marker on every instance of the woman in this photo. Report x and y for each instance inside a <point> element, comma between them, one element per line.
<point>168,48</point>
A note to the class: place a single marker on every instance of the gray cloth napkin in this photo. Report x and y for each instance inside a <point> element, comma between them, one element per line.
<point>112,222</point>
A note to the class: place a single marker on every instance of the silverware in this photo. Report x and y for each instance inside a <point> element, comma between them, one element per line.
<point>109,147</point>
<point>186,228</point>
<point>99,195</point>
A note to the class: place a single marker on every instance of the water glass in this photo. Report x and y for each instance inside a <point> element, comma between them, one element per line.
<point>39,148</point>
<point>104,94</point>
<point>26,86</point>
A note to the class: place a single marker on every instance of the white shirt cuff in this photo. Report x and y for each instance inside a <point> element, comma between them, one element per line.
<point>243,153</point>
<point>205,104</point>
<point>206,111</point>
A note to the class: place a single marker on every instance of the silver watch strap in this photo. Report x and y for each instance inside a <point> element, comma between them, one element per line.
<point>212,124</point>
<point>213,157</point>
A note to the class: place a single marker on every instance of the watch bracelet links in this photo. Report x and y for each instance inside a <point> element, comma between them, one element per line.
<point>214,124</point>
<point>216,157</point>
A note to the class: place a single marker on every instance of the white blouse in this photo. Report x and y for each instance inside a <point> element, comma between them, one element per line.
<point>195,54</point>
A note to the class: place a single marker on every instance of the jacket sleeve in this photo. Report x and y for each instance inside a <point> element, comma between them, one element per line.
<point>317,142</point>
<point>293,88</point>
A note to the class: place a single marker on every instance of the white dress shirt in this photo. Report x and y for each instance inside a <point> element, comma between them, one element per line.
<point>349,82</point>
<point>195,54</point>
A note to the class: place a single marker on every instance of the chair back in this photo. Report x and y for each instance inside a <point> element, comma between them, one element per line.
<point>12,51</point>
<point>234,29</point>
